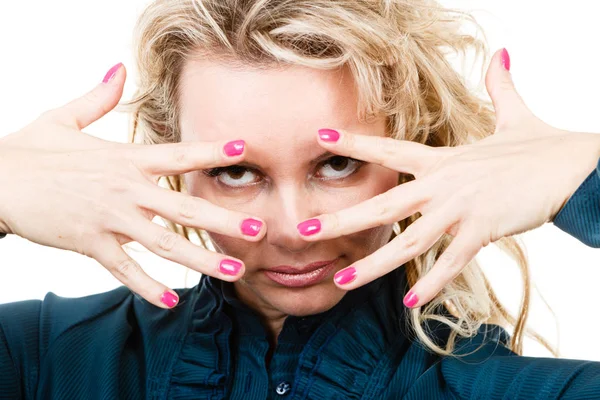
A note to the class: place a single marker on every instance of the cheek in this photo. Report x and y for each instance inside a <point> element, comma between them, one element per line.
<point>360,244</point>
<point>229,246</point>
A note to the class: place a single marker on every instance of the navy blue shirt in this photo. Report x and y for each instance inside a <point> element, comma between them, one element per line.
<point>115,345</point>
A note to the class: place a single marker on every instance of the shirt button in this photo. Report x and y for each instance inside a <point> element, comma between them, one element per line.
<point>283,388</point>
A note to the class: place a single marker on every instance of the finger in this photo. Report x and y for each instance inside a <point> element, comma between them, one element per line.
<point>178,158</point>
<point>386,208</point>
<point>400,155</point>
<point>414,241</point>
<point>111,255</point>
<point>175,247</point>
<point>463,248</point>
<point>196,212</point>
<point>81,112</point>
<point>508,104</point>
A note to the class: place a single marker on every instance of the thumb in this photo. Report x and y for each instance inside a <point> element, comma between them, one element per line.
<point>81,112</point>
<point>508,104</point>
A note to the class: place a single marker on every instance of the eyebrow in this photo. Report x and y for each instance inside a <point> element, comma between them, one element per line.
<point>321,157</point>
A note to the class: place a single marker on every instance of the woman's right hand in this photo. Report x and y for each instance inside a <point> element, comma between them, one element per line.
<point>66,189</point>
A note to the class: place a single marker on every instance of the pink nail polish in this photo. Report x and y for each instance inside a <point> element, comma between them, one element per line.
<point>111,73</point>
<point>505,59</point>
<point>234,148</point>
<point>251,227</point>
<point>230,267</point>
<point>169,299</point>
<point>309,227</point>
<point>344,276</point>
<point>329,135</point>
<point>410,299</point>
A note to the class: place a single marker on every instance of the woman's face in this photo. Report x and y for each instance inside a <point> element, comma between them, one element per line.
<point>286,178</point>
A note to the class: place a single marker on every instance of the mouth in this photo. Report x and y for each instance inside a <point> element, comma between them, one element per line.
<point>301,276</point>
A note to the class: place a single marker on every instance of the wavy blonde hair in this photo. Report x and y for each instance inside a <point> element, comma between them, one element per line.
<point>398,53</point>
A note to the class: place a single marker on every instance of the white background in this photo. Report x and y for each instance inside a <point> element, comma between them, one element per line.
<point>52,52</point>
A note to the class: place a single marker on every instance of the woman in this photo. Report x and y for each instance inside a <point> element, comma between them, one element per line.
<point>313,291</point>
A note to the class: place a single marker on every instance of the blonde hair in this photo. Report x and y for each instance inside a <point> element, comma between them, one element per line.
<point>397,52</point>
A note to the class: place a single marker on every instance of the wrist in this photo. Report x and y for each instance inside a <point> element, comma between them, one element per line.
<point>587,147</point>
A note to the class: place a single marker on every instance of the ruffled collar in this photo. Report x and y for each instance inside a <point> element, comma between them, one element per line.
<point>295,328</point>
<point>357,338</point>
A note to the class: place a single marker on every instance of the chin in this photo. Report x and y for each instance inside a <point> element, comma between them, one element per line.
<point>303,301</point>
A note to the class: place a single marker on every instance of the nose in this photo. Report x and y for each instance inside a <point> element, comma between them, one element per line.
<point>287,207</point>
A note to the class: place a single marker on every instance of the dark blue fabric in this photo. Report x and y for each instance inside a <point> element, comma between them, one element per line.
<point>116,345</point>
<point>580,216</point>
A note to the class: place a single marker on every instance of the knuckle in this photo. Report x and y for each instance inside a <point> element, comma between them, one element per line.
<point>448,260</point>
<point>93,98</point>
<point>333,222</point>
<point>167,240</point>
<point>409,239</point>
<point>48,115</point>
<point>350,143</point>
<point>119,184</point>
<point>60,115</point>
<point>101,211</point>
<point>233,221</point>
<point>188,208</point>
<point>217,153</point>
<point>383,209</point>
<point>433,161</point>
<point>506,85</point>
<point>126,269</point>
<point>180,155</point>
<point>383,148</point>
<point>389,147</point>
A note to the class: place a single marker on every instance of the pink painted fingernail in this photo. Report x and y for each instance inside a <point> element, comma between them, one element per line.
<point>230,267</point>
<point>410,299</point>
<point>329,135</point>
<point>505,59</point>
<point>344,276</point>
<point>234,148</point>
<point>309,227</point>
<point>169,299</point>
<point>251,227</point>
<point>111,73</point>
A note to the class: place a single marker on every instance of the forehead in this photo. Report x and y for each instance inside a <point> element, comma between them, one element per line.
<point>277,109</point>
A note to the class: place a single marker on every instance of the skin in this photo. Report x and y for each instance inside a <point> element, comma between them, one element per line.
<point>116,194</point>
<point>278,112</point>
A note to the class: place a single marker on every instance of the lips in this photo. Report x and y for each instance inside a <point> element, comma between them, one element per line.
<point>307,275</point>
<point>288,269</point>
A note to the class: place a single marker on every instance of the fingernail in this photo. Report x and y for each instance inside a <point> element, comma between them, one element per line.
<point>505,59</point>
<point>344,276</point>
<point>230,267</point>
<point>169,299</point>
<point>111,73</point>
<point>329,135</point>
<point>410,299</point>
<point>234,148</point>
<point>251,226</point>
<point>309,227</point>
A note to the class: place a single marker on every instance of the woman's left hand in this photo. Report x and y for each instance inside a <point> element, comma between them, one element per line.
<point>508,183</point>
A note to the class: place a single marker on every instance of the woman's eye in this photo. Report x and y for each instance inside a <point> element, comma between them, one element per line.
<point>339,167</point>
<point>234,176</point>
